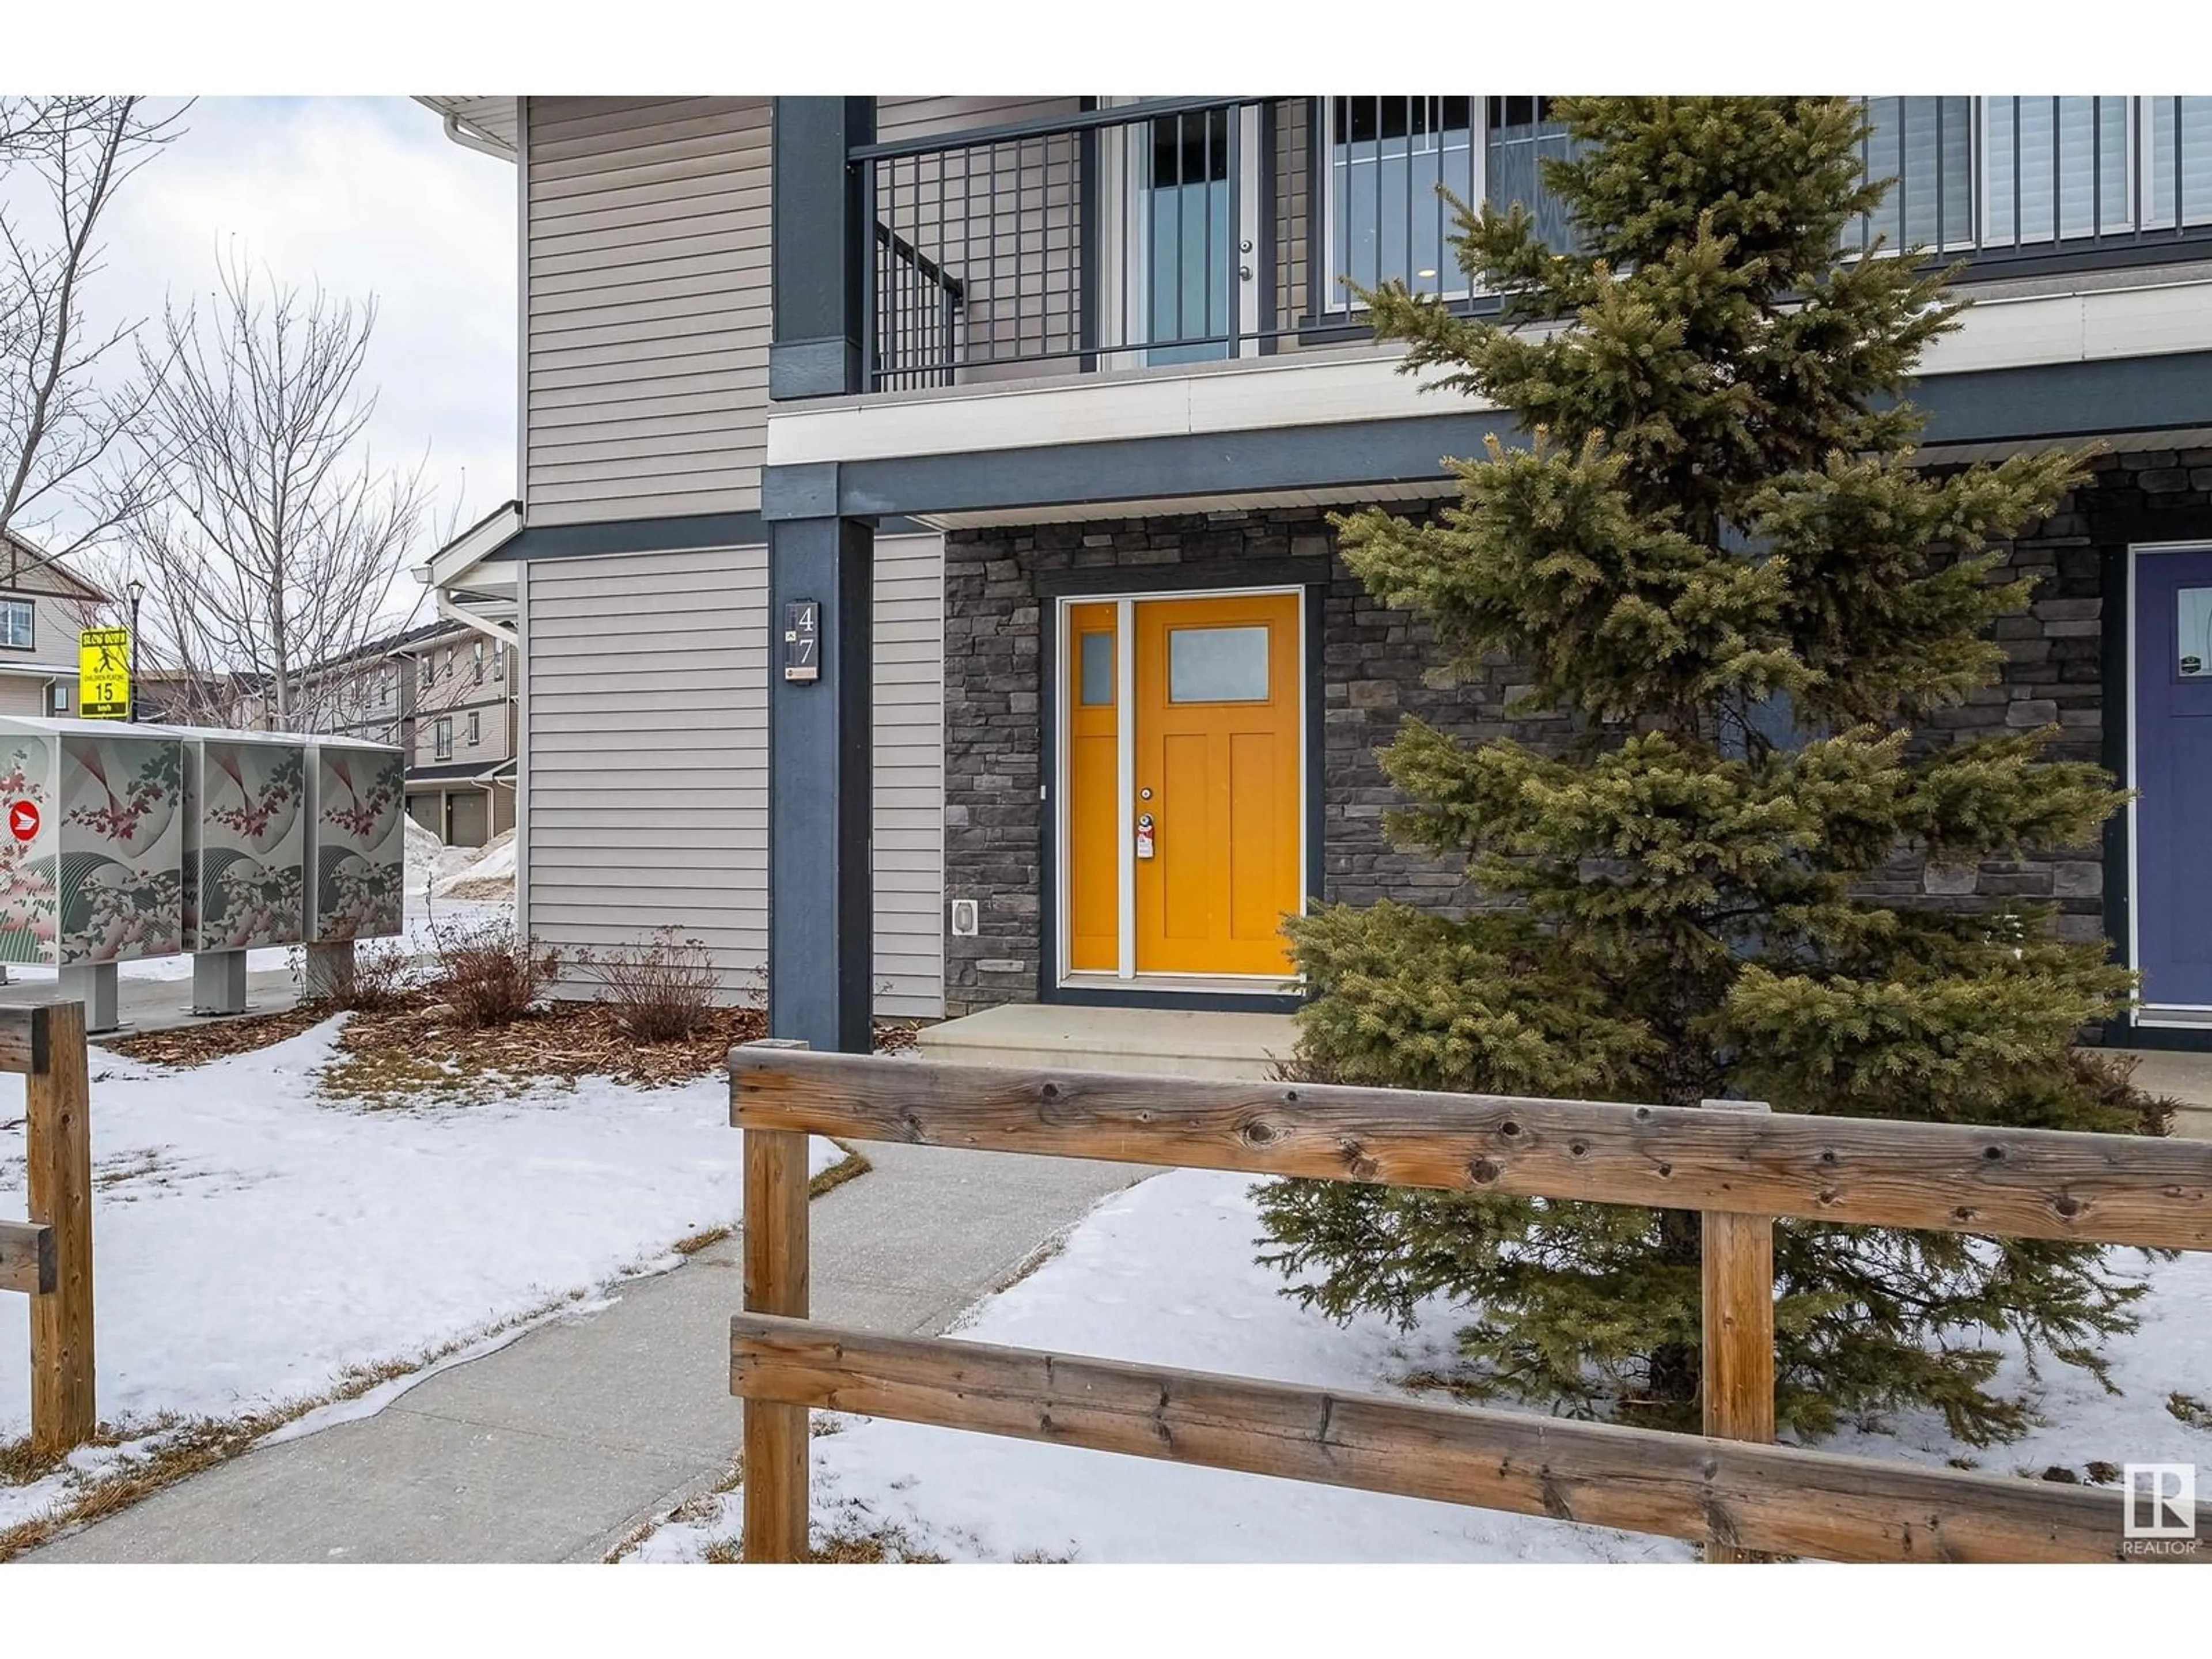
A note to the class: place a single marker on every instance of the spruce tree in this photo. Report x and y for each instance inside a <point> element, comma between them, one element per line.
<point>1716,553</point>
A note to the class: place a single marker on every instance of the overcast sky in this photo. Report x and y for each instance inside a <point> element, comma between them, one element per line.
<point>368,197</point>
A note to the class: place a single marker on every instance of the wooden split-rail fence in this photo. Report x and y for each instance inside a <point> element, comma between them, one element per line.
<point>49,1257</point>
<point>1728,1489</point>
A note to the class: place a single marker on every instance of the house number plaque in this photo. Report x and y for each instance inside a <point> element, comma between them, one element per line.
<point>802,640</point>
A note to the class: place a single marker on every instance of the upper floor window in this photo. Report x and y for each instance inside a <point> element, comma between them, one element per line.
<point>2004,173</point>
<point>476,731</point>
<point>443,739</point>
<point>1387,156</point>
<point>478,648</point>
<point>18,624</point>
<point>429,670</point>
<point>449,664</point>
<point>499,663</point>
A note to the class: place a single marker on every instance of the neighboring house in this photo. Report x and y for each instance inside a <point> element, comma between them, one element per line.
<point>1072,379</point>
<point>43,604</point>
<point>444,692</point>
<point>182,696</point>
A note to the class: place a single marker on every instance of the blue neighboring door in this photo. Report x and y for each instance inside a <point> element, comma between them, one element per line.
<point>2173,773</point>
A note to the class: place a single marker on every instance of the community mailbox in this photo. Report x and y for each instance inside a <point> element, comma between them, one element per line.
<point>245,839</point>
<point>356,850</point>
<point>92,842</point>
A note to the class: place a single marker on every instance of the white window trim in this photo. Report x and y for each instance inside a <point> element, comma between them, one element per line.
<point>441,737</point>
<point>8,606</point>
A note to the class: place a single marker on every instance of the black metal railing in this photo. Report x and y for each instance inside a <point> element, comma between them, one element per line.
<point>1180,231</point>
<point>916,314</point>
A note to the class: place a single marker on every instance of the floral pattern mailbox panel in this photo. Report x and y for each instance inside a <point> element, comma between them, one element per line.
<point>245,843</point>
<point>91,848</point>
<point>359,848</point>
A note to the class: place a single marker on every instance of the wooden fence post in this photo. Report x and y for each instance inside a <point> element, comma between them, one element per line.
<point>1737,1368</point>
<point>64,1409</point>
<point>776,1255</point>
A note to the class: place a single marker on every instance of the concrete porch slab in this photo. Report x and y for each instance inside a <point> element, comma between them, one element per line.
<point>2187,1078</point>
<point>1188,1043</point>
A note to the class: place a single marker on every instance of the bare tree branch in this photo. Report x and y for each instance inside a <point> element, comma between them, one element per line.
<point>274,541</point>
<point>67,455</point>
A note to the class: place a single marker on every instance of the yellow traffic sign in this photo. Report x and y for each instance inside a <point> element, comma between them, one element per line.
<point>103,673</point>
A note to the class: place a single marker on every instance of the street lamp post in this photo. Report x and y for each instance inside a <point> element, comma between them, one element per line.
<point>137,590</point>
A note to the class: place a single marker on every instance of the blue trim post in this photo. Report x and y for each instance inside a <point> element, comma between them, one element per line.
<point>819,245</point>
<point>821,927</point>
<point>821,922</point>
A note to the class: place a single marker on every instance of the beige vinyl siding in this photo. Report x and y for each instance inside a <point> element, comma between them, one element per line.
<point>646,787</point>
<point>21,694</point>
<point>926,117</point>
<point>647,317</point>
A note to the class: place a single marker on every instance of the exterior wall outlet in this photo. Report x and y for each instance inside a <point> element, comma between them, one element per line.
<point>963,918</point>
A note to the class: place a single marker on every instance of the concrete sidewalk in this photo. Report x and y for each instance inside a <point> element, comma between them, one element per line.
<point>555,1447</point>
<point>160,1004</point>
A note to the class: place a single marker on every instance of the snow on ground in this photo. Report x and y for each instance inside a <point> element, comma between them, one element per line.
<point>255,1241</point>
<point>1164,1273</point>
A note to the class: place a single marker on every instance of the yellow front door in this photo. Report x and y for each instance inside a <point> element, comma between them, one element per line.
<point>1217,712</point>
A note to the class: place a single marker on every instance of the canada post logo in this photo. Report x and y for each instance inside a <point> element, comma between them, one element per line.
<point>2162,1513</point>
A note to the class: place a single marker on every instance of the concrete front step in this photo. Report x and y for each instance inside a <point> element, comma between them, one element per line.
<point>1185,1042</point>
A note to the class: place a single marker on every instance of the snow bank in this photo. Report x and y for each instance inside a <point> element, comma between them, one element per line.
<point>437,871</point>
<point>487,874</point>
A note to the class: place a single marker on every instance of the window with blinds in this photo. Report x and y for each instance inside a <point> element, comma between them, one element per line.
<point>2003,172</point>
<point>2058,168</point>
<point>1927,146</point>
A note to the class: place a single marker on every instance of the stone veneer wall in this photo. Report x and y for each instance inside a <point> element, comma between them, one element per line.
<point>1375,661</point>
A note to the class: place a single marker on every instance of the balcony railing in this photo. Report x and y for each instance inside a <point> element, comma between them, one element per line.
<point>1178,231</point>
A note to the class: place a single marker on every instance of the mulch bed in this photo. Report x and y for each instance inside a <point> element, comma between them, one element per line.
<point>196,1045</point>
<point>419,1045</point>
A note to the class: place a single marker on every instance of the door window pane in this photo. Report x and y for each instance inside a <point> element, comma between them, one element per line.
<point>2193,619</point>
<point>1187,223</point>
<point>1218,665</point>
<point>1094,669</point>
